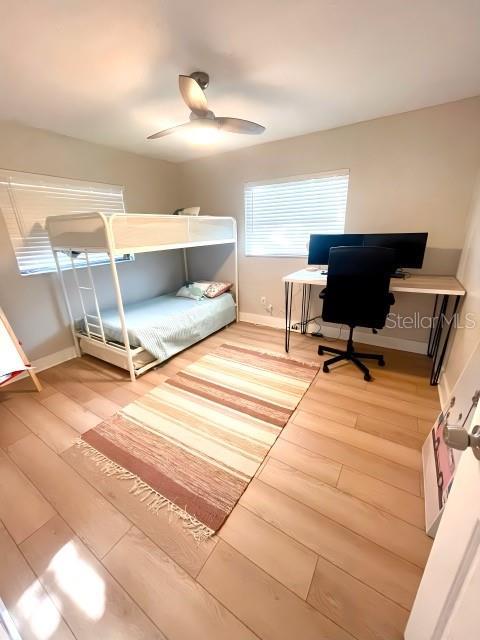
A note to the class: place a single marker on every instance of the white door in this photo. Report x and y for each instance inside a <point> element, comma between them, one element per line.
<point>447,606</point>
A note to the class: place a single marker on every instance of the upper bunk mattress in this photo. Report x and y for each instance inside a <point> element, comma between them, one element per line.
<point>166,324</point>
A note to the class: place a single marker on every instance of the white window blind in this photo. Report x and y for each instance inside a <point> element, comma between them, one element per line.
<point>27,199</point>
<point>280,215</point>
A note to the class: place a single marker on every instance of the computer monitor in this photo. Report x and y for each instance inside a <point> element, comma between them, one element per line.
<point>320,245</point>
<point>409,247</point>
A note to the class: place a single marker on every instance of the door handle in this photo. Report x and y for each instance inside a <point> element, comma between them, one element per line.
<point>460,439</point>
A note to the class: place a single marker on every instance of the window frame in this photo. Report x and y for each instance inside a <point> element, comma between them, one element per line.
<point>294,178</point>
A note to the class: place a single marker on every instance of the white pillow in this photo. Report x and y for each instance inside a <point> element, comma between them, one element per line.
<point>191,291</point>
<point>203,286</point>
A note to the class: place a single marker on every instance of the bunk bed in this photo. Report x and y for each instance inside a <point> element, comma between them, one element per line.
<point>139,336</point>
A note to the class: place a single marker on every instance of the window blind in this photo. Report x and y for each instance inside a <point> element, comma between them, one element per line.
<point>27,199</point>
<point>280,215</point>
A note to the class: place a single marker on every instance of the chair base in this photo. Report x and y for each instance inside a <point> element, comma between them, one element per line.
<point>350,354</point>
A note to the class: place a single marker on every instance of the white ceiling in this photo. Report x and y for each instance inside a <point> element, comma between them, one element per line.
<point>106,70</point>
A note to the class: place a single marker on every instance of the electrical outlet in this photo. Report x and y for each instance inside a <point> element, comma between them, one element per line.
<point>263,301</point>
<point>270,308</point>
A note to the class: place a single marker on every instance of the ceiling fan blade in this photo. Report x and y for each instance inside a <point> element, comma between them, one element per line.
<point>236,125</point>
<point>167,132</point>
<point>193,95</point>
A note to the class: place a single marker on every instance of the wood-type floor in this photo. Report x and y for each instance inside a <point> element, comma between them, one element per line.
<point>327,541</point>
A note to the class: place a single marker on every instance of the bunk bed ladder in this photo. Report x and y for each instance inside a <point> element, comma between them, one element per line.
<point>92,321</point>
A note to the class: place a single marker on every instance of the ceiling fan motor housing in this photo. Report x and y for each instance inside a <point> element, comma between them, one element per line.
<point>201,78</point>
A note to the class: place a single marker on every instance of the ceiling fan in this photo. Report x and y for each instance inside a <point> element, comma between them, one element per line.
<point>192,89</point>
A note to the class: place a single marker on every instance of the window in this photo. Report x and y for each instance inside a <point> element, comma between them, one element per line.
<point>26,199</point>
<point>281,215</point>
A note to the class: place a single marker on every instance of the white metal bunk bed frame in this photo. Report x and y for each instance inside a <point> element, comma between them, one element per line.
<point>97,339</point>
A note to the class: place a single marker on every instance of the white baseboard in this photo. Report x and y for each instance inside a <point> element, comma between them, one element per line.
<point>40,364</point>
<point>375,339</point>
<point>267,321</point>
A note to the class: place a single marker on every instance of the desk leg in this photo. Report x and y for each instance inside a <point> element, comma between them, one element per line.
<point>439,346</point>
<point>306,296</point>
<point>432,328</point>
<point>303,315</point>
<point>288,313</point>
<point>438,327</point>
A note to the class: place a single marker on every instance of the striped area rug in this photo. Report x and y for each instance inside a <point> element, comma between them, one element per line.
<point>193,443</point>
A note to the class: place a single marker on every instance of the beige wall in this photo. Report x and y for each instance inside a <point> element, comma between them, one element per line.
<point>467,335</point>
<point>32,303</point>
<point>408,172</point>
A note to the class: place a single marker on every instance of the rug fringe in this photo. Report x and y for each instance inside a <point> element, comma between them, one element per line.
<point>154,500</point>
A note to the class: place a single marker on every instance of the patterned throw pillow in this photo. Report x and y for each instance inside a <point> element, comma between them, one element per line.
<point>217,288</point>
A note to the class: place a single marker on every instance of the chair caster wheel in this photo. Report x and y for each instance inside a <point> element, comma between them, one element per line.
<point>367,377</point>
<point>381,363</point>
<point>320,351</point>
<point>325,369</point>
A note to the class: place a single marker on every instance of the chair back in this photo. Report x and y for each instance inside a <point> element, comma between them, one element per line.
<point>358,284</point>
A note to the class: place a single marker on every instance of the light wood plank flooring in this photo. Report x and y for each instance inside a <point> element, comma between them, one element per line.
<point>326,543</point>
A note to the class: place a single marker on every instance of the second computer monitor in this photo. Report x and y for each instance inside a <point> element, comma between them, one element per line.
<point>409,247</point>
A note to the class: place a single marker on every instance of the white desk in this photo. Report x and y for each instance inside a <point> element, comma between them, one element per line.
<point>442,287</point>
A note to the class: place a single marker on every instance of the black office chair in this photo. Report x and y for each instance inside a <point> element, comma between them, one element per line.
<point>357,294</point>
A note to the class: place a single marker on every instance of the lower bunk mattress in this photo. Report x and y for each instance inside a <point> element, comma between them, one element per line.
<point>167,324</point>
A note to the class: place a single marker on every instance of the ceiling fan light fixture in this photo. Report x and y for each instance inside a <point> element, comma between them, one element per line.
<point>202,132</point>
